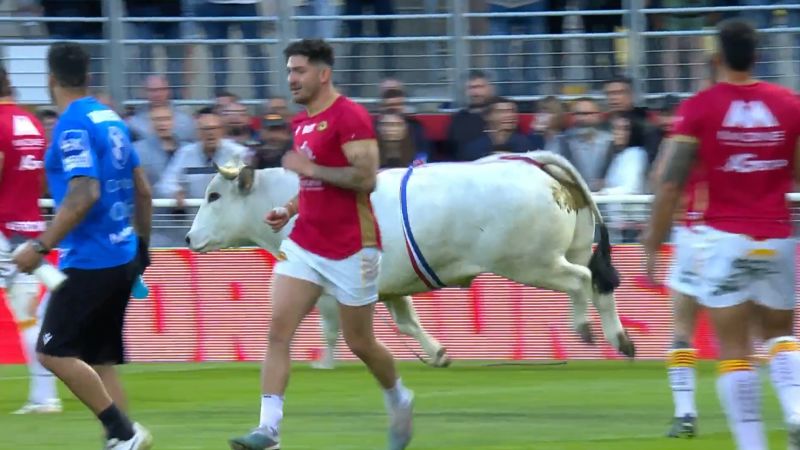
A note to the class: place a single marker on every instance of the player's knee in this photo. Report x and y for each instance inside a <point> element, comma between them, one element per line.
<point>47,361</point>
<point>279,337</point>
<point>360,345</point>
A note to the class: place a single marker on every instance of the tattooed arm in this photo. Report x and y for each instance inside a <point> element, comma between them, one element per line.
<point>681,152</point>
<point>82,193</point>
<point>363,170</point>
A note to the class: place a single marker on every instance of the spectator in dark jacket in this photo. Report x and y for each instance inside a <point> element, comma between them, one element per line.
<point>468,124</point>
<point>501,134</point>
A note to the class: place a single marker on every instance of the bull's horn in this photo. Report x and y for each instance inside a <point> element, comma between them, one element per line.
<point>227,171</point>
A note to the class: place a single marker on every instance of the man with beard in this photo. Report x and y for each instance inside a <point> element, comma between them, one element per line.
<point>468,124</point>
<point>586,144</point>
<point>237,125</point>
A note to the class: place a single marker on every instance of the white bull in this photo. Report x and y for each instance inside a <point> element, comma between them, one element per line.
<point>529,218</point>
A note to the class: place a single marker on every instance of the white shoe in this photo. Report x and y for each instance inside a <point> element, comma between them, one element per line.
<point>401,420</point>
<point>141,440</point>
<point>52,406</point>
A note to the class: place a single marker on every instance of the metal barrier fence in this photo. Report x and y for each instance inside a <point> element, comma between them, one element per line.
<point>429,46</point>
<point>625,216</point>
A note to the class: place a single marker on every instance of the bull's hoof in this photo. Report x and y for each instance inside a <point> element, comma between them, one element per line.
<point>441,359</point>
<point>626,345</point>
<point>585,332</point>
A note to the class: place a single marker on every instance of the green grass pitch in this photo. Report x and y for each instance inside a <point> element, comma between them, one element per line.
<point>578,406</point>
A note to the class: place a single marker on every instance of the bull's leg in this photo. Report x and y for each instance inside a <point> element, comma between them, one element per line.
<point>580,302</point>
<point>572,279</point>
<point>606,307</point>
<point>405,317</point>
<point>329,313</point>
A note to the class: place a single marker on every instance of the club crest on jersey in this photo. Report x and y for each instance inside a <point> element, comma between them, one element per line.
<point>322,126</point>
<point>120,150</point>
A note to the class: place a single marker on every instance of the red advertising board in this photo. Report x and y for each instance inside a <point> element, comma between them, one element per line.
<point>216,307</point>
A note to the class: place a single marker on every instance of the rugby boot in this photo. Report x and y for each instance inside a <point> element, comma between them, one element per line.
<point>685,426</point>
<point>401,420</point>
<point>141,440</point>
<point>258,439</point>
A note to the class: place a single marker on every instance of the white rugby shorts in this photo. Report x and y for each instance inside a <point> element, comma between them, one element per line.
<point>19,287</point>
<point>737,268</point>
<point>352,281</point>
<point>685,270</point>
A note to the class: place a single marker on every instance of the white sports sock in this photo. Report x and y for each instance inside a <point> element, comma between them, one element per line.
<point>42,381</point>
<point>739,390</point>
<point>397,395</point>
<point>271,411</point>
<point>681,371</point>
<point>784,370</point>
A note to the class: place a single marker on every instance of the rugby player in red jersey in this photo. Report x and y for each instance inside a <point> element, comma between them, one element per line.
<point>334,246</point>
<point>744,133</point>
<point>22,147</point>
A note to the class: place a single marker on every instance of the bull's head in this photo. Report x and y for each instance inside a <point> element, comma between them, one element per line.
<point>225,214</point>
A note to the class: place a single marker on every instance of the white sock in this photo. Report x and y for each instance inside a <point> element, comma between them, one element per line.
<point>42,381</point>
<point>398,395</point>
<point>271,411</point>
<point>784,370</point>
<point>739,390</point>
<point>681,371</point>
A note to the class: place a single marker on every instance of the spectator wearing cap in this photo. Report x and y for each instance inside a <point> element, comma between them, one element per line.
<point>501,134</point>
<point>668,106</point>
<point>275,141</point>
<point>278,105</point>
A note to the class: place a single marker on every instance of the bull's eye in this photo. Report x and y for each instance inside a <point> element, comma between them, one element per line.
<point>212,197</point>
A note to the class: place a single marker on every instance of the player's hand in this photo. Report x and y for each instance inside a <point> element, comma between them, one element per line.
<point>298,163</point>
<point>277,218</point>
<point>28,259</point>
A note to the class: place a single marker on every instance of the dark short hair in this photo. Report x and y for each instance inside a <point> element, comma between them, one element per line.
<point>5,83</point>
<point>224,93</point>
<point>477,74</point>
<point>494,101</point>
<point>619,79</point>
<point>393,93</point>
<point>316,50</point>
<point>738,40</point>
<point>69,64</point>
<point>206,110</point>
<point>46,114</point>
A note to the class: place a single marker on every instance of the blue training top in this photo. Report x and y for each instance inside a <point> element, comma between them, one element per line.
<point>91,140</point>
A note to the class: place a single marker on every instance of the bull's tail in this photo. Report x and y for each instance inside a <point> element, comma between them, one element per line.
<point>604,276</point>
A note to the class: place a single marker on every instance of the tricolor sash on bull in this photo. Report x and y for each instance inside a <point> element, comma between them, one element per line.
<point>421,267</point>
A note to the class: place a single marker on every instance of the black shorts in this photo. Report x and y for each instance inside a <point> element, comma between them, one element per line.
<point>85,316</point>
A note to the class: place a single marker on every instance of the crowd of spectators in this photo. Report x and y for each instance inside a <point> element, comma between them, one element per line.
<point>519,67</point>
<point>611,142</point>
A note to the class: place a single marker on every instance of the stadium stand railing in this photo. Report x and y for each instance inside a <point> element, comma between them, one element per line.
<point>433,44</point>
<point>565,52</point>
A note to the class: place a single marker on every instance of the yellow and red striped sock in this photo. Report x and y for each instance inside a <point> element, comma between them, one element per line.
<point>681,364</point>
<point>739,390</point>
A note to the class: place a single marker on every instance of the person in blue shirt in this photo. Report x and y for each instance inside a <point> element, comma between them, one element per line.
<point>102,227</point>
